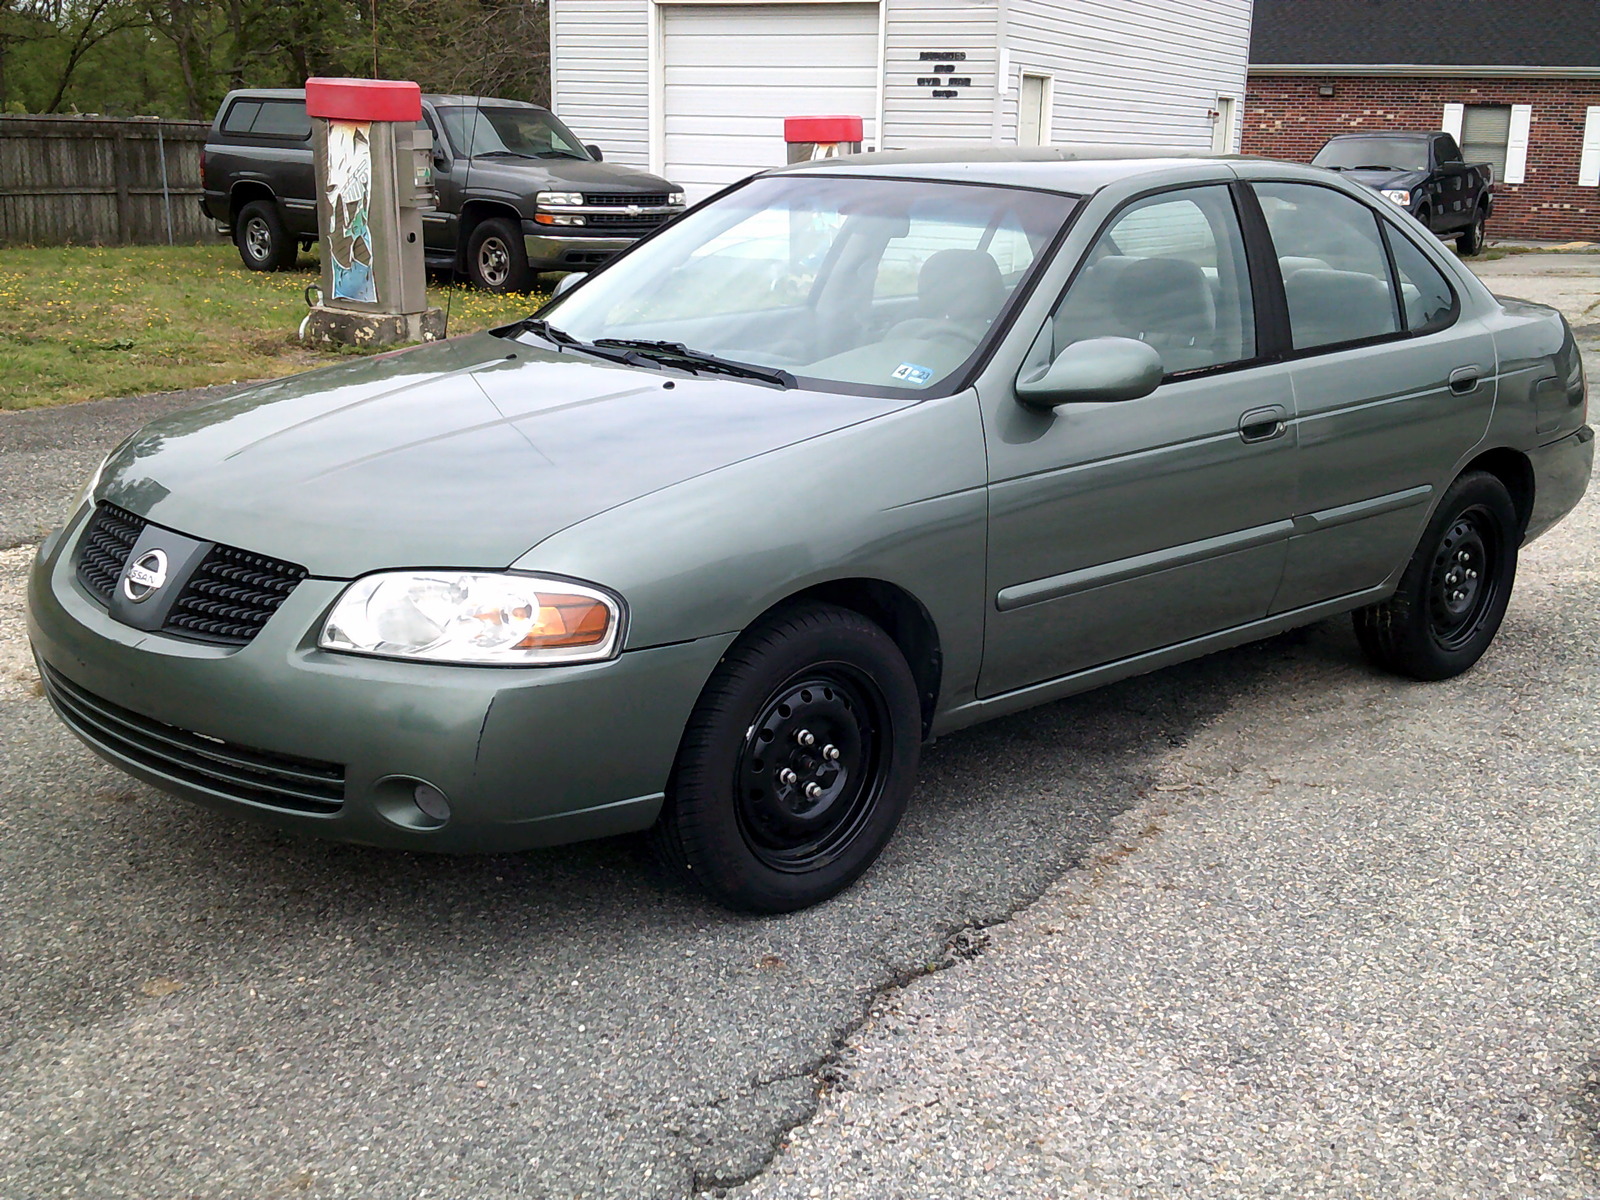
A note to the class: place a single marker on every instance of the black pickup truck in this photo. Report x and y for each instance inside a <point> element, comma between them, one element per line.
<point>1424,174</point>
<point>518,192</point>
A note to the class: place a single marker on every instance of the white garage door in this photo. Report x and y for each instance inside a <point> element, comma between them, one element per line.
<point>734,72</point>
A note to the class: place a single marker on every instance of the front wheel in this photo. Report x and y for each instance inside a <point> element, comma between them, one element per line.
<point>497,259</point>
<point>796,763</point>
<point>1470,240</point>
<point>1455,589</point>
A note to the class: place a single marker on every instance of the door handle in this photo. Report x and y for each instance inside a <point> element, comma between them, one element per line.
<point>1264,424</point>
<point>1464,380</point>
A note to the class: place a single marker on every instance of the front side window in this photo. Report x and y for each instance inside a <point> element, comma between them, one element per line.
<point>1335,271</point>
<point>1169,271</point>
<point>490,131</point>
<point>850,284</point>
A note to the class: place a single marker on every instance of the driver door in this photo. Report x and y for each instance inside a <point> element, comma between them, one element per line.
<point>1119,528</point>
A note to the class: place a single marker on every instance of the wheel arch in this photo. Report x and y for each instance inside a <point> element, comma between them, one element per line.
<point>247,192</point>
<point>474,213</point>
<point>1512,468</point>
<point>899,614</point>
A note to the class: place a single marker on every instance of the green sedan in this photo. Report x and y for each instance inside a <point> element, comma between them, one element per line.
<point>853,455</point>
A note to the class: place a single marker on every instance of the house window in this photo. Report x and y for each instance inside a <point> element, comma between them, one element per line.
<point>1034,105</point>
<point>1485,135</point>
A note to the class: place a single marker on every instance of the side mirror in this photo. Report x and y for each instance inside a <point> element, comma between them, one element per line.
<point>594,153</point>
<point>440,159</point>
<point>1095,371</point>
<point>566,283</point>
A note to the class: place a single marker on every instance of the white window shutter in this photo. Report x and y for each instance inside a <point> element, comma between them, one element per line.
<point>1589,163</point>
<point>1452,120</point>
<point>1517,143</point>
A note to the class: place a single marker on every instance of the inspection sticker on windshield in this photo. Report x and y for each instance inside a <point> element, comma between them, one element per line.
<point>913,374</point>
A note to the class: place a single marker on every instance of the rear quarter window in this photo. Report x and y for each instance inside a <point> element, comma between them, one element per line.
<point>283,119</point>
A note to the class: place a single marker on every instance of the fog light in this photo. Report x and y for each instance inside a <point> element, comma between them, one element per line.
<point>432,802</point>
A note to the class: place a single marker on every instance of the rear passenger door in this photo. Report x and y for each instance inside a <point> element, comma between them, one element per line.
<point>1392,386</point>
<point>1120,528</point>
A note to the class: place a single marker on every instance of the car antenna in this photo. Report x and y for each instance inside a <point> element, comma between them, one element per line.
<point>466,182</point>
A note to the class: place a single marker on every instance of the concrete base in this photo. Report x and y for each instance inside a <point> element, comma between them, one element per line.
<point>341,327</point>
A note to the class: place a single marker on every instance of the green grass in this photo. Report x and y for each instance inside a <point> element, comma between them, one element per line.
<point>86,322</point>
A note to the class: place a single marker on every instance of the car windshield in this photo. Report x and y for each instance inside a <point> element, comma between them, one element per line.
<point>1400,154</point>
<point>479,131</point>
<point>860,285</point>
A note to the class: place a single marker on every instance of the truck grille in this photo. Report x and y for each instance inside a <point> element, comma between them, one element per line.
<point>228,600</point>
<point>210,764</point>
<point>626,222</point>
<point>623,199</point>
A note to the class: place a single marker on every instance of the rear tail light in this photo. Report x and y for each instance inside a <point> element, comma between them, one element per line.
<point>202,168</point>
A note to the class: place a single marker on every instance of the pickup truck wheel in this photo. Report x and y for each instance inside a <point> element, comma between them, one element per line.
<point>1455,589</point>
<point>1425,216</point>
<point>263,243</point>
<point>796,764</point>
<point>497,259</point>
<point>1470,240</point>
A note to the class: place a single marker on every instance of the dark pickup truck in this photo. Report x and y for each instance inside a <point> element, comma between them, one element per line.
<point>518,192</point>
<point>1424,174</point>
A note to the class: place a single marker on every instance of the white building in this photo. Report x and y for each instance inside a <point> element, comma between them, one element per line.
<point>698,91</point>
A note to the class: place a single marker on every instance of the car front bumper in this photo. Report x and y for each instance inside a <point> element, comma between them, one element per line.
<point>334,744</point>
<point>548,251</point>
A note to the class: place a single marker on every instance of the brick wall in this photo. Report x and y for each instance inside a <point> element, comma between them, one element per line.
<point>1284,117</point>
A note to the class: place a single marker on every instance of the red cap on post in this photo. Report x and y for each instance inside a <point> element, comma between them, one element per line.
<point>364,99</point>
<point>822,129</point>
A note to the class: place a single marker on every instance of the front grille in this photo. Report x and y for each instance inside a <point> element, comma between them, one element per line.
<point>622,199</point>
<point>229,598</point>
<point>238,772</point>
<point>104,549</point>
<point>231,595</point>
<point>626,222</point>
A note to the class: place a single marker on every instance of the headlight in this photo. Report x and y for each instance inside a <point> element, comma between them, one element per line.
<point>558,199</point>
<point>465,617</point>
<point>1399,196</point>
<point>675,199</point>
<point>87,495</point>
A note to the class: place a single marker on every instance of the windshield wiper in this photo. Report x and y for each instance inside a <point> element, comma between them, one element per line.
<point>564,340</point>
<point>1380,167</point>
<point>502,154</point>
<point>677,354</point>
<point>560,154</point>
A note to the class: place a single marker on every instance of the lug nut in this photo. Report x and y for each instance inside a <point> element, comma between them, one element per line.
<point>831,753</point>
<point>1472,574</point>
<point>813,790</point>
<point>805,737</point>
<point>1461,556</point>
<point>787,776</point>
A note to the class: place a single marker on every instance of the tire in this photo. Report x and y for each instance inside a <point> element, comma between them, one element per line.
<point>817,691</point>
<point>1455,589</point>
<point>1470,240</point>
<point>263,243</point>
<point>497,259</point>
<point>1425,217</point>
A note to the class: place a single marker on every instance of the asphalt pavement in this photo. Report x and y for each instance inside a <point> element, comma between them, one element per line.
<point>1287,902</point>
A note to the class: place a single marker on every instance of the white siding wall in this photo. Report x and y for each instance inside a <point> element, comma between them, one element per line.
<point>1144,72</point>
<point>911,116</point>
<point>600,81</point>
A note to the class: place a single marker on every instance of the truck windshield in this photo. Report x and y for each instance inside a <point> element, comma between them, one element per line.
<point>868,286</point>
<point>1398,154</point>
<point>482,130</point>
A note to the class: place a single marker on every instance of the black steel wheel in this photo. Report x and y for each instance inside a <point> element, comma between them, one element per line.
<point>796,764</point>
<point>1453,593</point>
<point>497,257</point>
<point>1470,240</point>
<point>263,243</point>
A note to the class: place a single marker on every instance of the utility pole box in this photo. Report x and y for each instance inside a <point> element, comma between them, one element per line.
<point>374,170</point>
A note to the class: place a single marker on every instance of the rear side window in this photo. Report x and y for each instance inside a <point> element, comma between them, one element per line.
<point>284,119</point>
<point>1425,294</point>
<point>1335,271</point>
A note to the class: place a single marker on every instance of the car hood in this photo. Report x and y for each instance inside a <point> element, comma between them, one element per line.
<point>1387,177</point>
<point>521,177</point>
<point>464,453</point>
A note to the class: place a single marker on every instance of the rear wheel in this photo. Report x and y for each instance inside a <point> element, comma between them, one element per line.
<point>796,764</point>
<point>1454,591</point>
<point>497,259</point>
<point>263,243</point>
<point>1470,240</point>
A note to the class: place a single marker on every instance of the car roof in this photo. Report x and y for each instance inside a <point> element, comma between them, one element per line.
<point>430,97</point>
<point>1075,169</point>
<point>1387,133</point>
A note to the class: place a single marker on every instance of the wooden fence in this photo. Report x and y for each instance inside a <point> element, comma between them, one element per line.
<point>101,181</point>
